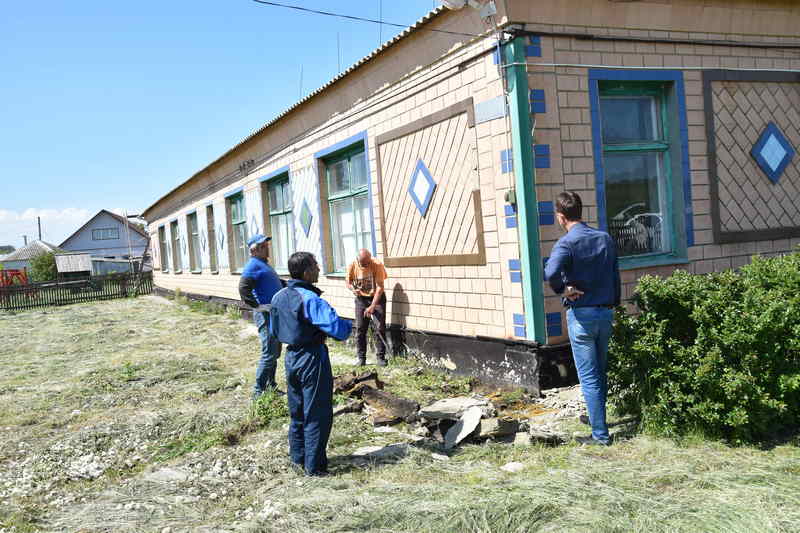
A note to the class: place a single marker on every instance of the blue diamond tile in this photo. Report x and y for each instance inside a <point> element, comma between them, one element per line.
<point>305,217</point>
<point>773,152</point>
<point>421,187</point>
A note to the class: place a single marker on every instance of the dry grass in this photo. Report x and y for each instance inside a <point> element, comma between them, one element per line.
<point>134,415</point>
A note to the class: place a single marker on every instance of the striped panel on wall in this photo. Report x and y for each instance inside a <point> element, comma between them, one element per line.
<point>304,186</point>
<point>221,234</point>
<point>450,231</point>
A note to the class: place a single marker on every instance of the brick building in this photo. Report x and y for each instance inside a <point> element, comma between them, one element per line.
<point>443,150</point>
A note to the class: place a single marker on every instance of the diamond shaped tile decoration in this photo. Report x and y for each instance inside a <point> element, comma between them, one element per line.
<point>305,218</point>
<point>421,187</point>
<point>772,152</point>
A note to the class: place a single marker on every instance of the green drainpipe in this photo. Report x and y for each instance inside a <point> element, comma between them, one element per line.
<point>525,183</point>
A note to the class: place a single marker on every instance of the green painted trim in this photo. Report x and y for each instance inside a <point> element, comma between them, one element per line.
<point>637,147</point>
<point>650,260</point>
<point>525,182</point>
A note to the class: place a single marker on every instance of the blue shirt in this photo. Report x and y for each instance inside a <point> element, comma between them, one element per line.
<point>267,281</point>
<point>585,258</point>
<point>319,312</point>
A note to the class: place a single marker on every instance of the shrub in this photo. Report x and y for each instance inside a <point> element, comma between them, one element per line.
<point>43,267</point>
<point>717,354</point>
<point>270,407</point>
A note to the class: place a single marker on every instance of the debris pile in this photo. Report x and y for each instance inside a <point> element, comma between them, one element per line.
<point>451,421</point>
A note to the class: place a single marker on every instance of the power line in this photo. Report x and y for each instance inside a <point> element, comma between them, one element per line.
<point>360,19</point>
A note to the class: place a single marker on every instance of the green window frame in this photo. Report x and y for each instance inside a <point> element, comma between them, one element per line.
<point>195,262</point>
<point>175,236</point>
<point>639,212</point>
<point>237,216</point>
<point>348,205</point>
<point>281,222</point>
<point>162,248</point>
<point>212,240</point>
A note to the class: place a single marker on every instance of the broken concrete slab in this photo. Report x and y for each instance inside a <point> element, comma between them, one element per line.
<point>392,451</point>
<point>546,436</point>
<point>497,427</point>
<point>453,408</point>
<point>389,408</point>
<point>522,439</point>
<point>464,427</point>
<point>350,383</point>
<point>353,406</point>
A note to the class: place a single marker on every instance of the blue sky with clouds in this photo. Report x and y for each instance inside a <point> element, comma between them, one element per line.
<point>111,104</point>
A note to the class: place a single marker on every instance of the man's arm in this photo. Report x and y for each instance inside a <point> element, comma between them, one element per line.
<point>617,282</point>
<point>560,259</point>
<point>246,287</point>
<point>348,280</point>
<point>323,316</point>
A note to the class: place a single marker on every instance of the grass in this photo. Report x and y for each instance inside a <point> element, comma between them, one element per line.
<point>157,395</point>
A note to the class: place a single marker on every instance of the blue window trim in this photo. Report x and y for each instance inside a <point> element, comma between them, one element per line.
<point>331,151</point>
<point>192,212</point>
<point>676,76</point>
<point>234,192</point>
<point>770,130</point>
<point>274,174</point>
<point>421,171</point>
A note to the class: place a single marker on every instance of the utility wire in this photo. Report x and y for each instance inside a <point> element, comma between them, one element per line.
<point>360,19</point>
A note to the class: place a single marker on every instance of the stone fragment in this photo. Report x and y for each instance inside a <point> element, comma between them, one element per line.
<point>392,451</point>
<point>497,427</point>
<point>388,407</point>
<point>464,427</point>
<point>522,439</point>
<point>546,435</point>
<point>346,383</point>
<point>440,457</point>
<point>167,475</point>
<point>453,408</point>
<point>513,467</point>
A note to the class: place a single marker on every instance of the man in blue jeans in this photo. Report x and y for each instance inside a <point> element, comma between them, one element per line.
<point>257,285</point>
<point>583,268</point>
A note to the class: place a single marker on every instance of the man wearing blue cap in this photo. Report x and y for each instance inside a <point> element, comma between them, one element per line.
<point>257,285</point>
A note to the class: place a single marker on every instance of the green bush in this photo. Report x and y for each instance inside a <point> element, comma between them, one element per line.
<point>43,267</point>
<point>271,406</point>
<point>717,354</point>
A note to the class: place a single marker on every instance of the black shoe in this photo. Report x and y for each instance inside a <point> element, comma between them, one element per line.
<point>584,419</point>
<point>382,361</point>
<point>591,441</point>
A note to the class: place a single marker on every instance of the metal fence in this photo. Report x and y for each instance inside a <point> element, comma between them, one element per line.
<point>92,289</point>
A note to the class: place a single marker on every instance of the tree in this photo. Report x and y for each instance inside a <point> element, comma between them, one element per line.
<point>6,250</point>
<point>43,267</point>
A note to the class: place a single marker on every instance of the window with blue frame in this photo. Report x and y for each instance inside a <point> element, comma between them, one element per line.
<point>348,202</point>
<point>162,244</point>
<point>281,222</point>
<point>640,150</point>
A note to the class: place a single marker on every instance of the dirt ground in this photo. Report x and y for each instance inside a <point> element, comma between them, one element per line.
<point>135,416</point>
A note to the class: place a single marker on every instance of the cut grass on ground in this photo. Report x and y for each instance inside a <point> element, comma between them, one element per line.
<point>134,415</point>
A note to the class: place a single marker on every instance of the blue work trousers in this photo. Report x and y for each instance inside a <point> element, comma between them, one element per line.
<point>589,333</point>
<point>270,351</point>
<point>309,391</point>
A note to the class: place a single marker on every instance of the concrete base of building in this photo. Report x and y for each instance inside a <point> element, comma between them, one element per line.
<point>503,362</point>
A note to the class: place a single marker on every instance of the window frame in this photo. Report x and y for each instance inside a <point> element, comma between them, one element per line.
<point>278,178</point>
<point>352,193</point>
<point>674,144</point>
<point>230,200</point>
<point>175,242</point>
<point>213,260</point>
<point>105,238</point>
<point>162,248</point>
<point>193,237</point>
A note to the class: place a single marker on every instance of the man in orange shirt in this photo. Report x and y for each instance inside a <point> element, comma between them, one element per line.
<point>365,278</point>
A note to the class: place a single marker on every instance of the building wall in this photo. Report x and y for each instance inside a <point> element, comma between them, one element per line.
<point>461,298</point>
<point>747,199</point>
<point>83,241</point>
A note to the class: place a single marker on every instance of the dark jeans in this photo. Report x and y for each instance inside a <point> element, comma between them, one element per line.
<point>363,323</point>
<point>270,351</point>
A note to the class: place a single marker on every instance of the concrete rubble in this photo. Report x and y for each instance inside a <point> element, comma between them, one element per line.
<point>452,421</point>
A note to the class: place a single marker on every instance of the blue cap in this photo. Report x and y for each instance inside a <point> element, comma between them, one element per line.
<point>258,238</point>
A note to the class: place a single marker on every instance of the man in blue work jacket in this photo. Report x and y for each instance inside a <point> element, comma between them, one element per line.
<point>302,320</point>
<point>257,285</point>
<point>583,268</point>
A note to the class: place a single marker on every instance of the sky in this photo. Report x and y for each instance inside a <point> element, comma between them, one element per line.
<point>109,105</point>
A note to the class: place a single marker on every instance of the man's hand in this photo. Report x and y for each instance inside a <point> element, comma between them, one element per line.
<point>571,293</point>
<point>369,310</point>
